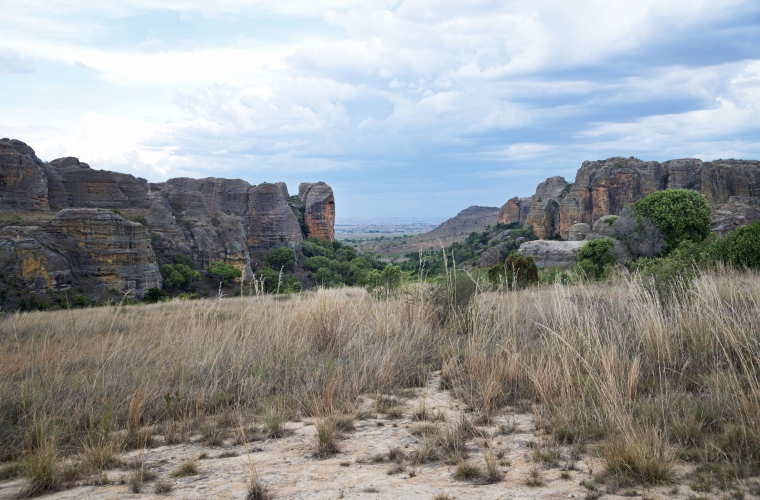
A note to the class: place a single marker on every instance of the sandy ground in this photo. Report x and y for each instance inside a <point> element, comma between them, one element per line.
<point>289,470</point>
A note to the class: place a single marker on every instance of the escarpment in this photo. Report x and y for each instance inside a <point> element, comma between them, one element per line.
<point>73,225</point>
<point>559,209</point>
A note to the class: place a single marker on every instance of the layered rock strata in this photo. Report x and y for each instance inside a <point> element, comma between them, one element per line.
<point>81,243</point>
<point>552,253</point>
<point>205,219</point>
<point>605,187</point>
<point>319,209</point>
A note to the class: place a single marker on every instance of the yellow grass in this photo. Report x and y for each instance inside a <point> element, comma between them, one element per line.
<point>604,362</point>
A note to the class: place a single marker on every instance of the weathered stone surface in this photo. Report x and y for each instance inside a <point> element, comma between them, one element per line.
<point>492,256</point>
<point>603,226</point>
<point>85,187</point>
<point>549,253</point>
<point>544,208</point>
<point>606,187</point>
<point>23,183</point>
<point>183,223</point>
<point>739,211</point>
<point>319,204</point>
<point>516,210</point>
<point>35,257</point>
<point>722,179</point>
<point>228,196</point>
<point>683,174</point>
<point>108,247</point>
<point>579,231</point>
<point>270,222</point>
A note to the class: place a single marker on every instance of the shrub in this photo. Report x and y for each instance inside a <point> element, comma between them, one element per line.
<point>80,300</point>
<point>282,258</point>
<point>739,248</point>
<point>223,272</point>
<point>386,281</point>
<point>516,272</point>
<point>681,214</point>
<point>595,256</point>
<point>178,275</point>
<point>140,219</point>
<point>270,277</point>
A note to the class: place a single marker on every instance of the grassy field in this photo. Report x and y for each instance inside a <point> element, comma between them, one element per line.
<point>650,382</point>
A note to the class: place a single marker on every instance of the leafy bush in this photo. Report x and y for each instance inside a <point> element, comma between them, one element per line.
<point>681,214</point>
<point>80,301</point>
<point>269,277</point>
<point>384,282</point>
<point>223,272</point>
<point>179,258</point>
<point>740,248</point>
<point>178,275</point>
<point>155,295</point>
<point>672,274</point>
<point>282,258</point>
<point>140,219</point>
<point>516,272</point>
<point>595,256</point>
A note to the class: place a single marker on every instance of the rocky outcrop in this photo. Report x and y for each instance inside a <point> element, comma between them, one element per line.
<point>549,253</point>
<point>81,244</point>
<point>36,258</point>
<point>722,179</point>
<point>23,184</point>
<point>739,211</point>
<point>270,222</point>
<point>104,245</point>
<point>544,208</point>
<point>579,231</point>
<point>605,187</point>
<point>205,219</point>
<point>319,209</point>
<point>515,211</point>
<point>78,185</point>
<point>182,223</point>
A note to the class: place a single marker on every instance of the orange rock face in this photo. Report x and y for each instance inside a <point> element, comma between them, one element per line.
<point>544,213</point>
<point>515,210</point>
<point>319,213</point>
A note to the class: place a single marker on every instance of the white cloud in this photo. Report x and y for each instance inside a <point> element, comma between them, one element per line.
<point>13,62</point>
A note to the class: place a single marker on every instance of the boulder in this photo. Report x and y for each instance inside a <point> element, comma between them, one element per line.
<point>579,231</point>
<point>603,226</point>
<point>319,209</point>
<point>550,253</point>
<point>492,256</point>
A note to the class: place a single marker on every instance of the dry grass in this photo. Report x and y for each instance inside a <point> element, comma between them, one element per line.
<point>655,381</point>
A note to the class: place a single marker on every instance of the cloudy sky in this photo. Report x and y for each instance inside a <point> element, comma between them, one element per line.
<point>407,108</point>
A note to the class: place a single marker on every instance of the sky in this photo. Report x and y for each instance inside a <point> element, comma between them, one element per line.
<point>406,108</point>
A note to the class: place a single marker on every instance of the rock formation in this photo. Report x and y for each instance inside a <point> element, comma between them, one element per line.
<point>23,184</point>
<point>552,253</point>
<point>605,187</point>
<point>544,209</point>
<point>739,211</point>
<point>319,209</point>
<point>515,210</point>
<point>81,243</point>
<point>205,219</point>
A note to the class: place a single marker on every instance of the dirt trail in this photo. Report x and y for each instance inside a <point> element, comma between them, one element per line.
<point>288,469</point>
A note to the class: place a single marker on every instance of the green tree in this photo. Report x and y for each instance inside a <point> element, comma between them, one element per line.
<point>681,214</point>
<point>269,277</point>
<point>155,295</point>
<point>223,272</point>
<point>595,256</point>
<point>178,275</point>
<point>517,271</point>
<point>740,248</point>
<point>282,258</point>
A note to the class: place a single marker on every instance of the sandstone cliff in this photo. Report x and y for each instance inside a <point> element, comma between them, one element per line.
<point>515,211</point>
<point>81,243</point>
<point>605,187</point>
<point>319,209</point>
<point>205,219</point>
